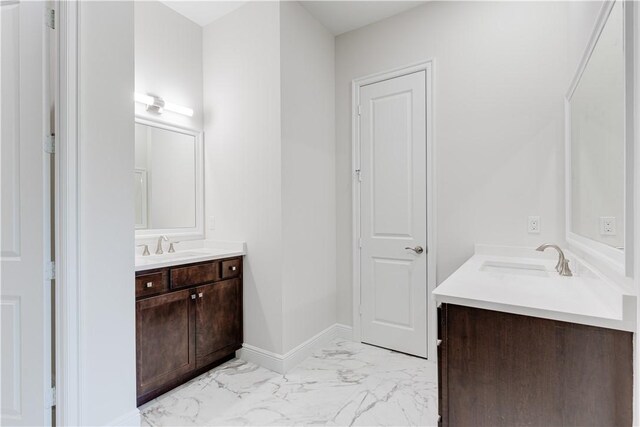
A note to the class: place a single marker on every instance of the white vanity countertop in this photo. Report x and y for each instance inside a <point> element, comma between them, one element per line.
<point>188,253</point>
<point>535,289</point>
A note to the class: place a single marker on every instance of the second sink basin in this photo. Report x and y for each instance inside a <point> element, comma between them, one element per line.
<point>522,269</point>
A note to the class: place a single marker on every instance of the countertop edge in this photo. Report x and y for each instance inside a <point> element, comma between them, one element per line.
<point>203,258</point>
<point>617,324</point>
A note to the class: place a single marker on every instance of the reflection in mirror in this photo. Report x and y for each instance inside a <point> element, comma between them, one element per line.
<point>598,139</point>
<point>165,178</point>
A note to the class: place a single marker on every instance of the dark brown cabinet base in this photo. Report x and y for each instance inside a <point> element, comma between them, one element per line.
<point>500,369</point>
<point>188,320</point>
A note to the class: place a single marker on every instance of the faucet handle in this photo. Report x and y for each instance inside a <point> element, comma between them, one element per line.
<point>145,252</point>
<point>171,248</point>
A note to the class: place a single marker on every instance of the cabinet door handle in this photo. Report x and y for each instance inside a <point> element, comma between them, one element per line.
<point>200,295</point>
<point>233,268</point>
<point>193,296</point>
<point>149,284</point>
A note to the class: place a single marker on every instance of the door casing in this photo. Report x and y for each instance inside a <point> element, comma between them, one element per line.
<point>428,67</point>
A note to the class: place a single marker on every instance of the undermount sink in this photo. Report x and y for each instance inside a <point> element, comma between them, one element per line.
<point>522,269</point>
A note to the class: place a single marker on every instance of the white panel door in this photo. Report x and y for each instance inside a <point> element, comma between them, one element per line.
<point>24,293</point>
<point>393,214</point>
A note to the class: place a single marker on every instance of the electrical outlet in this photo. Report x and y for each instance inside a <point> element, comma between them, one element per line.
<point>608,225</point>
<point>533,224</point>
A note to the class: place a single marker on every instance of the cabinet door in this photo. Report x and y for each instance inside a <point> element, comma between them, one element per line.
<point>502,369</point>
<point>165,339</point>
<point>218,320</point>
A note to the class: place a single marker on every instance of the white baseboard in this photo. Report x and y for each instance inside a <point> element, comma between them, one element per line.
<point>130,419</point>
<point>296,355</point>
<point>344,331</point>
<point>259,356</point>
<point>283,363</point>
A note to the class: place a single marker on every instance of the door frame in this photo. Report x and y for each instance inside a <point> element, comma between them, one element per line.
<point>67,214</point>
<point>428,67</point>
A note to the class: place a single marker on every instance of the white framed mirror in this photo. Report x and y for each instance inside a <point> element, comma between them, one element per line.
<point>169,181</point>
<point>599,143</point>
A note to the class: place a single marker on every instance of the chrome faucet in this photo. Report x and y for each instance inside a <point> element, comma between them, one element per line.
<point>562,267</point>
<point>159,250</point>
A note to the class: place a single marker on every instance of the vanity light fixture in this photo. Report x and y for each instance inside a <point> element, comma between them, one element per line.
<point>157,105</point>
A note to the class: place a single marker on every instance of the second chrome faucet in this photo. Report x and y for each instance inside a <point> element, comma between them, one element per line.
<point>159,250</point>
<point>562,267</point>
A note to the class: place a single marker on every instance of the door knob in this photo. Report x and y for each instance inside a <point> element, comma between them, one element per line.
<point>417,249</point>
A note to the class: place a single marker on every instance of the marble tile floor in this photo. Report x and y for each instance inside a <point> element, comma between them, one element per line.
<point>345,383</point>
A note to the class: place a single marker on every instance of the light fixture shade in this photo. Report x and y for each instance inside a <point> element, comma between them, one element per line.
<point>158,105</point>
<point>143,99</point>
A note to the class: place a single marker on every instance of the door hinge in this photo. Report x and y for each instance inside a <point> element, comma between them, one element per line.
<point>360,243</point>
<point>51,397</point>
<point>50,144</point>
<point>50,269</point>
<point>359,174</point>
<point>360,310</point>
<point>359,110</point>
<point>51,18</point>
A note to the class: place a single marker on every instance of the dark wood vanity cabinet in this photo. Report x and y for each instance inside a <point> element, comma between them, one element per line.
<point>501,369</point>
<point>188,320</point>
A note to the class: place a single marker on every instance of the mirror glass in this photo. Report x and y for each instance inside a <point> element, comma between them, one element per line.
<point>165,178</point>
<point>598,139</point>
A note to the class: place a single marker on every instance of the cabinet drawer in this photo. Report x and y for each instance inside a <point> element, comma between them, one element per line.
<point>194,275</point>
<point>231,268</point>
<point>151,284</point>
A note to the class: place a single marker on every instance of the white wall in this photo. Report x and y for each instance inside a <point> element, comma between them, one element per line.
<point>308,175</point>
<point>168,52</point>
<point>270,165</point>
<point>243,156</point>
<point>500,77</point>
<point>107,299</point>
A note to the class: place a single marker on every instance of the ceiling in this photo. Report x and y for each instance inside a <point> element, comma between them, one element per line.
<point>343,16</point>
<point>203,12</point>
<point>337,16</point>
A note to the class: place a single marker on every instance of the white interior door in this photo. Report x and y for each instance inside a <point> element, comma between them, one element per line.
<point>25,242</point>
<point>393,214</point>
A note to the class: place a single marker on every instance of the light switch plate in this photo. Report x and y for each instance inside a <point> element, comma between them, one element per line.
<point>533,225</point>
